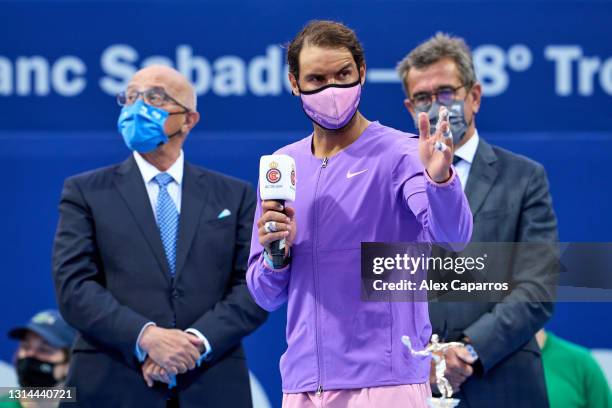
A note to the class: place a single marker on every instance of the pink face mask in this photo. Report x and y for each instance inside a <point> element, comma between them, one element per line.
<point>332,106</point>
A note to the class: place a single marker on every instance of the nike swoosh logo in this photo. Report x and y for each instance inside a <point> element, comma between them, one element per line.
<point>350,175</point>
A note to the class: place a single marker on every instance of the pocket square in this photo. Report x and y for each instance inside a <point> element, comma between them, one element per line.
<point>224,213</point>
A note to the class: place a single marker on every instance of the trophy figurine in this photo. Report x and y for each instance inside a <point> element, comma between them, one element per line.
<point>436,350</point>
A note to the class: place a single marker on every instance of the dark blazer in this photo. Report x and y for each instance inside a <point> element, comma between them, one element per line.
<point>510,201</point>
<point>111,277</point>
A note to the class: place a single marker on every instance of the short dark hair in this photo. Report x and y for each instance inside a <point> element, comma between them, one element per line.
<point>439,46</point>
<point>323,33</point>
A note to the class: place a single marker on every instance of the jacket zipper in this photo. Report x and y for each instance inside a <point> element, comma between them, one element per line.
<point>316,280</point>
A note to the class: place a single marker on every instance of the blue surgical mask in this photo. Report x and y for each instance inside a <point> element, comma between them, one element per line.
<point>142,126</point>
<point>456,118</point>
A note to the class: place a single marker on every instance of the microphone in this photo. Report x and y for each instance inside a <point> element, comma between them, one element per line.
<point>277,182</point>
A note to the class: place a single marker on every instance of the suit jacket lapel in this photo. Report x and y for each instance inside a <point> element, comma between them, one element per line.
<point>194,197</point>
<point>482,175</point>
<point>131,186</point>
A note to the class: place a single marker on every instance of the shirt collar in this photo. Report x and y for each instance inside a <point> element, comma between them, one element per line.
<point>148,171</point>
<point>468,150</point>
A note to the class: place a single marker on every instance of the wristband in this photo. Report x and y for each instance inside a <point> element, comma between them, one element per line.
<point>270,264</point>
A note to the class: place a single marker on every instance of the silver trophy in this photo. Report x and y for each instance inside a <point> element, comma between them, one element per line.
<point>436,351</point>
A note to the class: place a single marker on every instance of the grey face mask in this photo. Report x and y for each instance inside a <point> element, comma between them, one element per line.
<point>456,118</point>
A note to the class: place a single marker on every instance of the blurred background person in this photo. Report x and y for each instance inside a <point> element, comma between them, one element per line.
<point>509,198</point>
<point>149,263</point>
<point>42,357</point>
<point>574,379</point>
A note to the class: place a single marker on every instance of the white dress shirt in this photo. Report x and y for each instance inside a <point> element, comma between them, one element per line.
<point>466,153</point>
<point>148,172</point>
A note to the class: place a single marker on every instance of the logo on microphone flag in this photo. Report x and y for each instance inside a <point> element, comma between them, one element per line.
<point>274,175</point>
<point>293,175</point>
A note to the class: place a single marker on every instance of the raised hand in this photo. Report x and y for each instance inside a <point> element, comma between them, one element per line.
<point>436,151</point>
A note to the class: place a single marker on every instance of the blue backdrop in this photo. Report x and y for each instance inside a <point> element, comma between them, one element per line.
<point>546,68</point>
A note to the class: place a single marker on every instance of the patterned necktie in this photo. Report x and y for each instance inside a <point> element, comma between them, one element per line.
<point>167,219</point>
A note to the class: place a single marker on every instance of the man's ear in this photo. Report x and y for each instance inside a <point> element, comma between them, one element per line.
<point>409,106</point>
<point>362,73</point>
<point>295,89</point>
<point>476,93</point>
<point>191,120</point>
<point>60,371</point>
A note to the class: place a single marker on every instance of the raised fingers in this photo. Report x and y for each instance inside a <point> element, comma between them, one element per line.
<point>442,119</point>
<point>444,139</point>
<point>423,120</point>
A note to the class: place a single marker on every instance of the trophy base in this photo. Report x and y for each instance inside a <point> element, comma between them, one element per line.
<point>442,402</point>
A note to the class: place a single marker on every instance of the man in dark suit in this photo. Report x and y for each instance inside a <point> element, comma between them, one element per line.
<point>510,201</point>
<point>149,264</point>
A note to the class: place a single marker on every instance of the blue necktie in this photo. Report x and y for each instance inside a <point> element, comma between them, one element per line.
<point>167,219</point>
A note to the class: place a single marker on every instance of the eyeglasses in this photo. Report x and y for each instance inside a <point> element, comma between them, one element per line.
<point>444,95</point>
<point>155,97</point>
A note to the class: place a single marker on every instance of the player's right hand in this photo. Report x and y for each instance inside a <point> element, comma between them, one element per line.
<point>281,219</point>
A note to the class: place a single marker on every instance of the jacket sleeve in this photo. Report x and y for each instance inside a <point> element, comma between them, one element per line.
<point>236,315</point>
<point>269,287</point>
<point>83,300</point>
<point>441,209</point>
<point>513,322</point>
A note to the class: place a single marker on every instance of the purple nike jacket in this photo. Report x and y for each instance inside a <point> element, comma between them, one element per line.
<point>375,190</point>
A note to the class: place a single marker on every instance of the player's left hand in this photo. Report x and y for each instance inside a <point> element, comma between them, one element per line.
<point>436,151</point>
